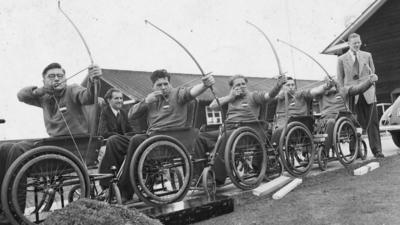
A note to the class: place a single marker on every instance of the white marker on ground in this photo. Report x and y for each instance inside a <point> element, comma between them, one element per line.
<point>288,188</point>
<point>271,186</point>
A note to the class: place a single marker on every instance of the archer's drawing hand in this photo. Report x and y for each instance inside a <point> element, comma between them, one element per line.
<point>152,97</point>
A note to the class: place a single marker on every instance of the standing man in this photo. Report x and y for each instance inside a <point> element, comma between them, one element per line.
<point>113,119</point>
<point>352,67</point>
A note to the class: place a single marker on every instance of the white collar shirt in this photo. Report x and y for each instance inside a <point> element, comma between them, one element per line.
<point>114,111</point>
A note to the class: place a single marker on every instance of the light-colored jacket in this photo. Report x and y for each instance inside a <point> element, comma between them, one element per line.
<point>366,67</point>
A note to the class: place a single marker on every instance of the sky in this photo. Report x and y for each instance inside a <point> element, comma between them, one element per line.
<point>34,33</point>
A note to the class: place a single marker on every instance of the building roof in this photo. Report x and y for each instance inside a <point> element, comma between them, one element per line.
<point>340,41</point>
<point>136,84</point>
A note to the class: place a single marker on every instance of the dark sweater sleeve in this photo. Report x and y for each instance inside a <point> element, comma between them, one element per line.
<point>138,110</point>
<point>26,95</point>
<point>359,88</point>
<point>83,96</point>
<point>184,96</point>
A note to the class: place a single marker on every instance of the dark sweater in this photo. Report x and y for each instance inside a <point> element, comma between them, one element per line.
<point>70,102</point>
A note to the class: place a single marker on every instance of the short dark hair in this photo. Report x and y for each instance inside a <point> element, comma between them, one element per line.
<point>109,93</point>
<point>237,76</point>
<point>353,35</point>
<point>52,66</point>
<point>159,74</point>
<point>289,78</point>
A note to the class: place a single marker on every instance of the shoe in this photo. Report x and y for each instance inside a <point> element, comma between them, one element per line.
<point>379,155</point>
<point>103,196</point>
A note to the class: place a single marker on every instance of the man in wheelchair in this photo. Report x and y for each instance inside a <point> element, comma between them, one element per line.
<point>334,99</point>
<point>295,103</point>
<point>243,106</point>
<point>62,106</point>
<point>165,107</point>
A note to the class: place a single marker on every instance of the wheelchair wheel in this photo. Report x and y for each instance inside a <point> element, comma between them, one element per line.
<point>363,151</point>
<point>322,157</point>
<point>345,141</point>
<point>208,182</point>
<point>245,158</point>
<point>296,149</point>
<point>152,165</point>
<point>37,183</point>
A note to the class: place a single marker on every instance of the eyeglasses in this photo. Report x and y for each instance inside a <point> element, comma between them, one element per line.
<point>54,75</point>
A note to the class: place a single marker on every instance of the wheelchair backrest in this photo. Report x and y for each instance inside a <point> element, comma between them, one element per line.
<point>92,115</point>
<point>88,153</point>
<point>188,134</point>
<point>308,121</point>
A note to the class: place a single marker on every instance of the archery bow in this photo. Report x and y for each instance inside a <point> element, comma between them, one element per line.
<point>278,63</point>
<point>77,30</point>
<point>95,80</point>
<point>309,56</point>
<point>271,45</point>
<point>186,50</point>
<point>191,56</point>
<point>319,64</point>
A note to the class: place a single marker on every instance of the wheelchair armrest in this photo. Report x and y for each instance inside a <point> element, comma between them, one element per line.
<point>134,133</point>
<point>172,129</point>
<point>345,113</point>
<point>317,115</point>
<point>246,123</point>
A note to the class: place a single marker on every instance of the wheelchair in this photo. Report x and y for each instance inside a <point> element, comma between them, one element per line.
<point>296,144</point>
<point>55,172</point>
<point>161,169</point>
<point>248,156</point>
<point>343,143</point>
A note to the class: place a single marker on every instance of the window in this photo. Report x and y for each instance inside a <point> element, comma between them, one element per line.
<point>213,116</point>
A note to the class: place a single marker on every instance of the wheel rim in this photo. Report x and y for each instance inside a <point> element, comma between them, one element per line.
<point>209,183</point>
<point>299,150</point>
<point>157,161</point>
<point>322,158</point>
<point>346,142</point>
<point>247,160</point>
<point>43,177</point>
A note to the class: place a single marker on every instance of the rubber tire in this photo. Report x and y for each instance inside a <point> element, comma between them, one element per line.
<point>396,138</point>
<point>72,192</point>
<point>338,125</point>
<point>115,191</point>
<point>322,158</point>
<point>134,169</point>
<point>229,164</point>
<point>363,150</point>
<point>15,167</point>
<point>208,182</point>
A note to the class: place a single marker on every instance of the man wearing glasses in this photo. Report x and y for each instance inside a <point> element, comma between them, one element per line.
<point>61,103</point>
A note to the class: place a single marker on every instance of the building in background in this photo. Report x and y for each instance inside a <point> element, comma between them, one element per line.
<point>379,27</point>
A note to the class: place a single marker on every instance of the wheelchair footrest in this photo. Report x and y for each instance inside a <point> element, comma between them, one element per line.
<point>191,210</point>
<point>320,137</point>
